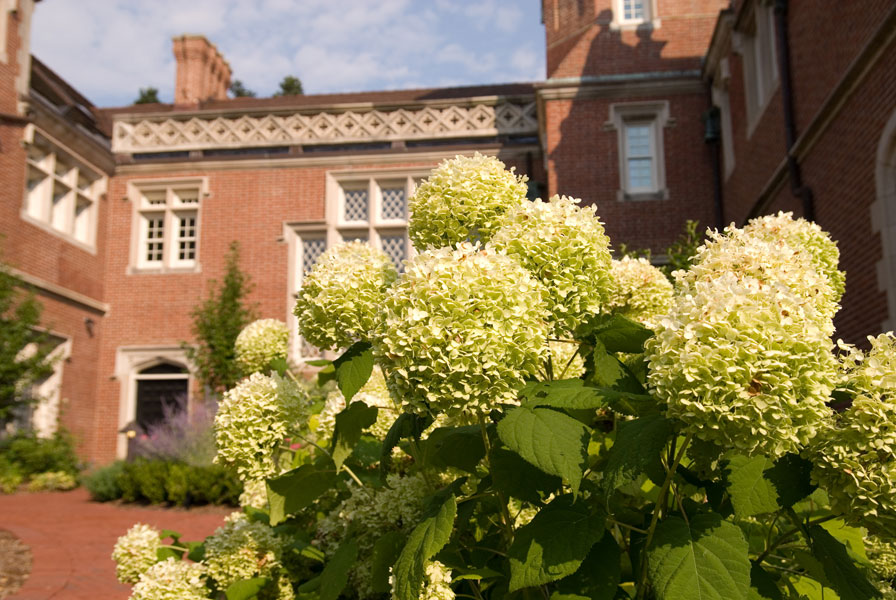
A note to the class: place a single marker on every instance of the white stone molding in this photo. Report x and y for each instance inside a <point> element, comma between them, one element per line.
<point>196,131</point>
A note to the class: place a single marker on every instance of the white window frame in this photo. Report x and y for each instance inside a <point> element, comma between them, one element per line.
<point>72,215</point>
<point>172,209</point>
<point>650,17</point>
<point>656,116</point>
<point>757,45</point>
<point>129,362</point>
<point>335,229</point>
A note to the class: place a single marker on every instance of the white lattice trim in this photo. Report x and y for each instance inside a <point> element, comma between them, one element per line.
<point>137,133</point>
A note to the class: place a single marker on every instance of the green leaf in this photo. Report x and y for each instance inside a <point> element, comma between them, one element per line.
<point>617,333</point>
<point>516,477</point>
<point>638,449</point>
<point>165,553</point>
<point>791,477</point>
<point>607,371</point>
<point>385,552</point>
<point>552,441</point>
<point>705,559</point>
<point>196,551</point>
<point>296,489</point>
<point>559,596</point>
<point>353,369</point>
<point>762,585</point>
<point>319,362</point>
<point>554,544</point>
<point>245,589</point>
<point>840,570</point>
<point>335,573</point>
<point>599,575</point>
<point>562,393</point>
<point>406,426</point>
<point>166,533</point>
<point>460,447</point>
<point>326,374</point>
<point>751,493</point>
<point>425,541</point>
<point>350,423</point>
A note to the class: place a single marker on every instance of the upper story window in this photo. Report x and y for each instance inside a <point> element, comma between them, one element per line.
<point>632,13</point>
<point>757,46</point>
<point>61,190</point>
<point>371,207</point>
<point>166,224</point>
<point>639,127</point>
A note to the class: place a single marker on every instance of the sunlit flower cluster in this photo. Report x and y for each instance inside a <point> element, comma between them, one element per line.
<point>254,494</point>
<point>172,579</point>
<point>342,293</point>
<point>461,331</point>
<point>743,358</point>
<point>242,549</point>
<point>260,343</point>
<point>567,362</point>
<point>135,552</point>
<point>375,394</point>
<point>436,582</point>
<point>882,554</point>
<point>855,456</point>
<point>463,200</point>
<point>641,291</point>
<point>369,513</point>
<point>252,421</point>
<point>565,247</point>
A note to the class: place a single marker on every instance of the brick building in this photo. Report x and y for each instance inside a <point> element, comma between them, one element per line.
<point>658,111</point>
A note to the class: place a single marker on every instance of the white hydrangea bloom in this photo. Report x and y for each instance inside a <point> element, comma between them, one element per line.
<point>855,456</point>
<point>135,552</point>
<point>561,355</point>
<point>255,494</point>
<point>436,582</point>
<point>252,421</point>
<point>260,343</point>
<point>641,291</point>
<point>242,549</point>
<point>172,579</point>
<point>805,235</point>
<point>565,247</point>
<point>461,331</point>
<point>369,513</point>
<point>375,393</point>
<point>463,200</point>
<point>743,358</point>
<point>341,295</point>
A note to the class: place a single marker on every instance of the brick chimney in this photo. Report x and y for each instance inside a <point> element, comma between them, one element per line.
<point>202,73</point>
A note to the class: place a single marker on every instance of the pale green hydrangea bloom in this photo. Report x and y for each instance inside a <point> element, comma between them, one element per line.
<point>743,358</point>
<point>260,343</point>
<point>461,331</point>
<point>808,236</point>
<point>341,295</point>
<point>641,291</point>
<point>135,552</point>
<point>255,494</point>
<point>369,513</point>
<point>242,549</point>
<point>882,554</point>
<point>436,582</point>
<point>565,247</point>
<point>172,579</point>
<point>855,456</point>
<point>375,393</point>
<point>567,362</point>
<point>463,200</point>
<point>252,421</point>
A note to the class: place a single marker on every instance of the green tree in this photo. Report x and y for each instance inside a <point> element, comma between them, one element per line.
<point>24,351</point>
<point>147,95</point>
<point>683,248</point>
<point>216,323</point>
<point>238,90</point>
<point>290,86</point>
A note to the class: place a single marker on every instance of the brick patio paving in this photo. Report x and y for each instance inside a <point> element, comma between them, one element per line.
<point>71,539</point>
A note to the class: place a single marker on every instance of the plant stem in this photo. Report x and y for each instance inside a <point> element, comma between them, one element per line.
<point>787,534</point>
<point>626,525</point>
<point>661,501</point>
<point>505,514</point>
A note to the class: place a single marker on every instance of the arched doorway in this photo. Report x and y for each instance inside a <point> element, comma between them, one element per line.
<point>883,217</point>
<point>161,392</point>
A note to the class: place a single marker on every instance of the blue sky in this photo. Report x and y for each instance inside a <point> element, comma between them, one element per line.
<point>108,49</point>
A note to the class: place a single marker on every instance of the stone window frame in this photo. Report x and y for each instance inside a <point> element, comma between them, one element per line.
<point>656,115</point>
<point>756,42</point>
<point>305,237</point>
<point>172,199</point>
<point>62,190</point>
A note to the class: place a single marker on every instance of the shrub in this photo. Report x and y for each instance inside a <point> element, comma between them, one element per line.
<point>33,455</point>
<point>52,480</point>
<point>164,482</point>
<point>103,483</point>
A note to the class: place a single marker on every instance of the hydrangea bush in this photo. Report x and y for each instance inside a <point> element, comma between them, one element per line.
<point>517,416</point>
<point>261,343</point>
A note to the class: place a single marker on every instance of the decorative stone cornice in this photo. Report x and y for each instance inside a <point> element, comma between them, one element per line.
<point>197,131</point>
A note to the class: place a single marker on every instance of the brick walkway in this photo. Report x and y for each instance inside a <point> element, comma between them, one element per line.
<point>71,540</point>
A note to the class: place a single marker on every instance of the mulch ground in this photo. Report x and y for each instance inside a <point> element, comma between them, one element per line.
<point>70,540</point>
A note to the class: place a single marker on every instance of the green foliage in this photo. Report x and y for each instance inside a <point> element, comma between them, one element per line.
<point>683,248</point>
<point>147,95</point>
<point>290,86</point>
<point>164,482</point>
<point>24,351</point>
<point>217,322</point>
<point>298,488</point>
<point>238,90</point>
<point>30,455</point>
<point>425,541</point>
